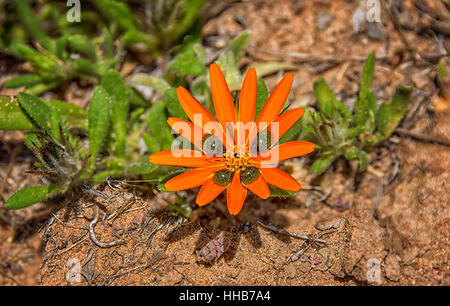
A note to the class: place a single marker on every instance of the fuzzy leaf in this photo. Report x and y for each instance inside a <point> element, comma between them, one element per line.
<point>321,164</point>
<point>28,18</point>
<point>23,80</point>
<point>367,76</point>
<point>229,60</point>
<point>16,119</point>
<point>159,128</point>
<point>173,104</point>
<point>397,108</point>
<point>12,116</point>
<point>30,195</point>
<point>37,110</point>
<point>186,63</point>
<point>141,166</point>
<point>269,68</point>
<point>98,116</point>
<point>151,143</point>
<point>157,83</point>
<point>327,102</point>
<point>351,153</point>
<point>262,94</point>
<point>278,192</point>
<point>169,176</point>
<point>325,97</point>
<point>119,12</point>
<point>238,45</point>
<point>116,88</point>
<point>363,160</point>
<point>83,45</point>
<point>84,66</point>
<point>382,118</point>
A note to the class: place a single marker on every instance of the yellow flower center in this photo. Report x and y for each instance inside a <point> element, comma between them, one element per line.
<point>237,160</point>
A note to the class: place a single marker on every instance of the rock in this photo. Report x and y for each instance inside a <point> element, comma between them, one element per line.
<point>327,224</point>
<point>323,21</point>
<point>376,31</point>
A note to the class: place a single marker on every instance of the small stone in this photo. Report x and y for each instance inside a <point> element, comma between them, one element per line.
<point>327,224</point>
<point>376,31</point>
<point>323,21</point>
<point>138,218</point>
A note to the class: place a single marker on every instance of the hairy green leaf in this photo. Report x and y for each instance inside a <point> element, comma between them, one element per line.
<point>321,164</point>
<point>278,192</point>
<point>367,76</point>
<point>99,112</point>
<point>159,128</point>
<point>141,166</point>
<point>173,104</point>
<point>157,83</point>
<point>23,80</point>
<point>30,195</point>
<point>116,88</point>
<point>118,12</point>
<point>262,94</point>
<point>397,108</point>
<point>83,45</point>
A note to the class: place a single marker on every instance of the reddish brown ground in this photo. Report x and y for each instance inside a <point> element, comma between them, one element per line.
<point>407,234</point>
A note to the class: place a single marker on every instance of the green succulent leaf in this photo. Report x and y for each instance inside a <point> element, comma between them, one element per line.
<point>30,195</point>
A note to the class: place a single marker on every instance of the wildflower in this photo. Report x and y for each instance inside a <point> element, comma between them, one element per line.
<point>235,152</point>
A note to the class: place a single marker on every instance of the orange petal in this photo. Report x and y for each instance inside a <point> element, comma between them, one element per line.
<point>209,191</point>
<point>191,178</point>
<point>192,107</point>
<point>223,103</point>
<point>276,100</point>
<point>247,98</point>
<point>259,187</point>
<point>236,195</point>
<point>183,158</point>
<point>285,122</point>
<point>280,179</point>
<point>195,136</point>
<point>285,151</point>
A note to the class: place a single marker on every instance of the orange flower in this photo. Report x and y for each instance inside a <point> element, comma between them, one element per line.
<point>250,151</point>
